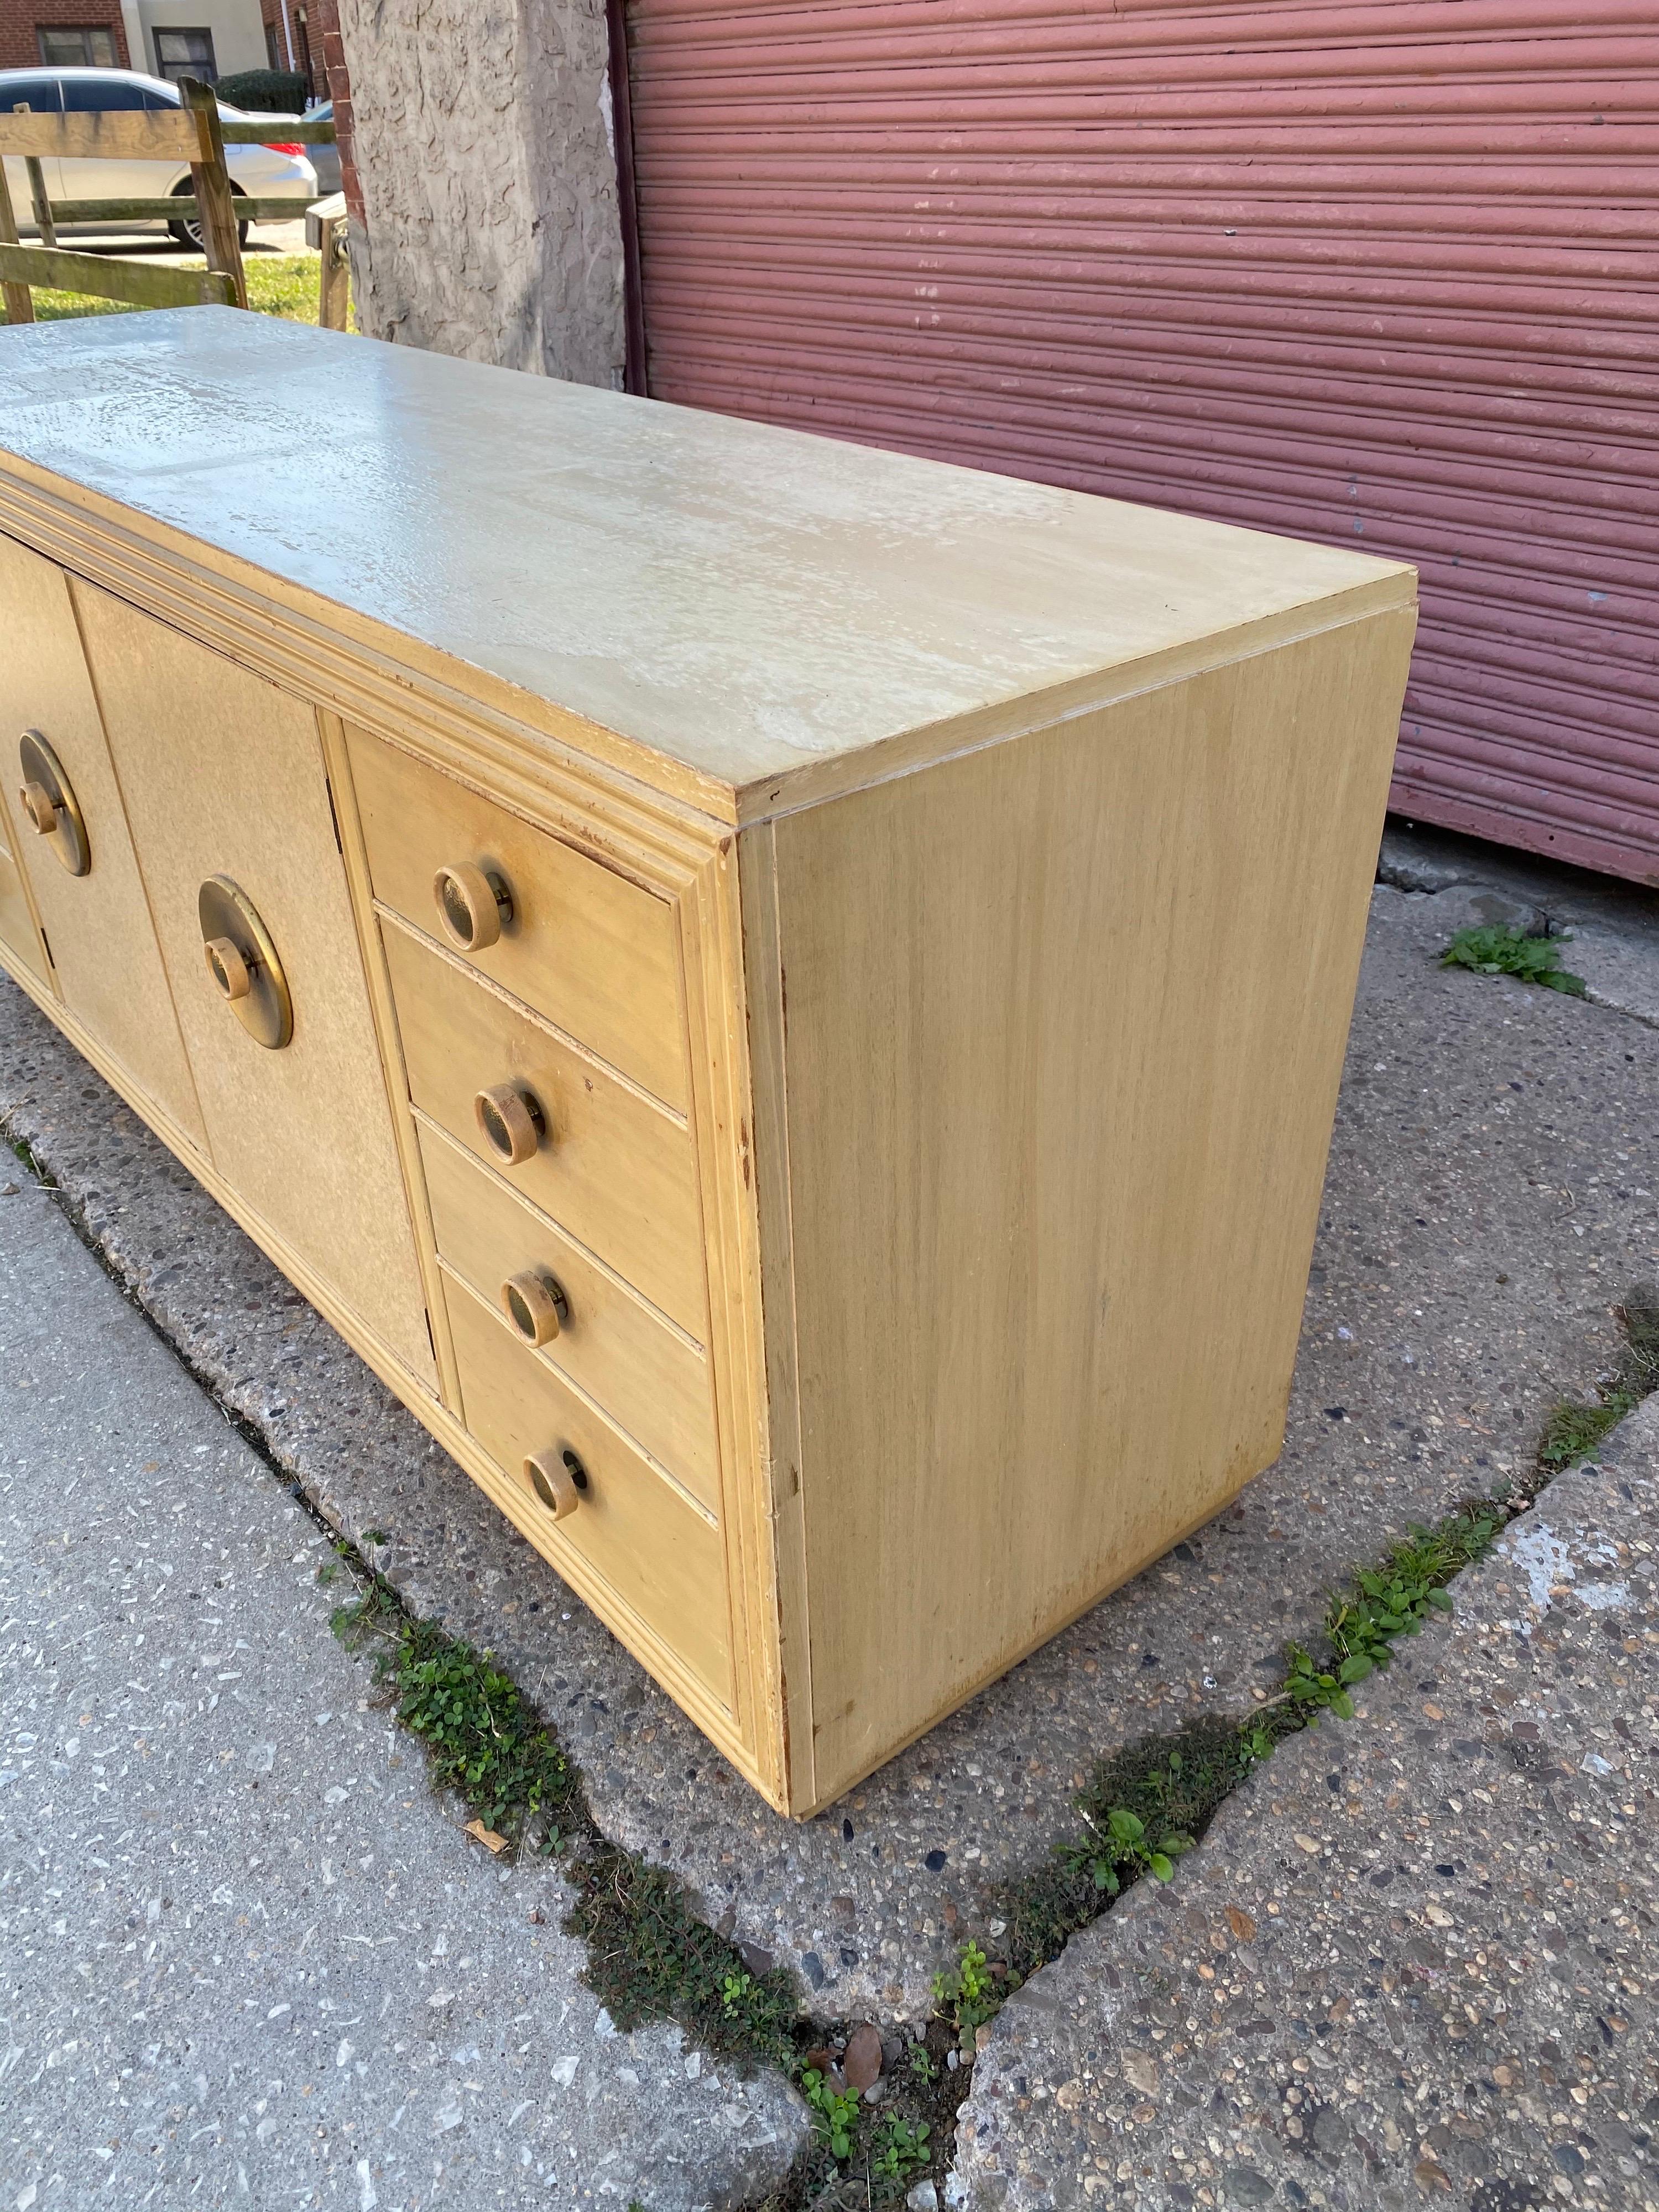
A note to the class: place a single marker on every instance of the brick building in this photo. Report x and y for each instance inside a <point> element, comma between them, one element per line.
<point>64,34</point>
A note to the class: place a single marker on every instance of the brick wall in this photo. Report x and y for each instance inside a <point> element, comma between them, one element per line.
<point>18,19</point>
<point>328,60</point>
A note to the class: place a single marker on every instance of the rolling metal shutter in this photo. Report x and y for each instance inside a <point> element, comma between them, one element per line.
<point>1383,273</point>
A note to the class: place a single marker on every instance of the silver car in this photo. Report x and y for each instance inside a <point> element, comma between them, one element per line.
<point>273,170</point>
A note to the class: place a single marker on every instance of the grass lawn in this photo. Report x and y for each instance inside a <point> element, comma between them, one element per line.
<point>282,284</point>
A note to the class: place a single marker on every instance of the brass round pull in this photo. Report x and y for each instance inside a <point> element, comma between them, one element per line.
<point>38,805</point>
<point>558,1479</point>
<point>512,1122</point>
<point>48,801</point>
<point>473,906</point>
<point>536,1304</point>
<point>228,967</point>
<point>243,963</point>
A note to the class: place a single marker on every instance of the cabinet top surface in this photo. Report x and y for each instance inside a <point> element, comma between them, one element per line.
<point>745,600</point>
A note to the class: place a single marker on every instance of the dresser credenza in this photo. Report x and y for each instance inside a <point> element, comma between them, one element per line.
<point>788,998</point>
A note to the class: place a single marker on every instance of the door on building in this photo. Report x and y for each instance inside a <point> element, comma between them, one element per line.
<point>1383,274</point>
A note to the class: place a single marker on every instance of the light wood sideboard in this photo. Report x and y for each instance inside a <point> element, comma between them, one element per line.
<point>788,998</point>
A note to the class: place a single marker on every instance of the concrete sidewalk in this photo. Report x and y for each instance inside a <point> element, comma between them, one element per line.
<point>247,1958</point>
<point>1414,1958</point>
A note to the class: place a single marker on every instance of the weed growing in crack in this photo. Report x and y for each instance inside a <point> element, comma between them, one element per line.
<point>1575,1426</point>
<point>1148,1803</point>
<point>835,2111</point>
<point>483,1739</point>
<point>651,1956</point>
<point>1169,1787</point>
<point>1498,951</point>
<point>25,1152</point>
<point>900,2149</point>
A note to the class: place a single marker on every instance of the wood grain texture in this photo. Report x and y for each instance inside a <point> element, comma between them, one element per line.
<point>732,601</point>
<point>124,134</point>
<point>17,925</point>
<point>99,276</point>
<point>662,1559</point>
<point>1080,1003</point>
<point>98,925</point>
<point>591,950</point>
<point>223,775</point>
<point>650,1377</point>
<point>615,1169</point>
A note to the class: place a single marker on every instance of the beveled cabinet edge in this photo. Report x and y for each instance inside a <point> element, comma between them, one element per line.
<point>384,679</point>
<point>781,1455</point>
<point>367,673</point>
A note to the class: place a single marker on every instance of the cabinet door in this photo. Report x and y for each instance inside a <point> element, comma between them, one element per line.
<point>98,924</point>
<point>17,931</point>
<point>223,775</point>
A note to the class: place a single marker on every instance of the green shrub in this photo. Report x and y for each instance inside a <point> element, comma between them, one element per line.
<point>266,91</point>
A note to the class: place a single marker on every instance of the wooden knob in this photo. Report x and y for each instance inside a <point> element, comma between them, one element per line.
<point>558,1479</point>
<point>536,1304</point>
<point>228,968</point>
<point>40,808</point>
<point>472,905</point>
<point>512,1122</point>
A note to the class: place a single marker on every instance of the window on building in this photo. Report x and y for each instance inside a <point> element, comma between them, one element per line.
<point>273,51</point>
<point>72,46</point>
<point>184,53</point>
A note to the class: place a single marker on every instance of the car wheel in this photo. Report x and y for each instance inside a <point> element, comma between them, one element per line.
<point>189,235</point>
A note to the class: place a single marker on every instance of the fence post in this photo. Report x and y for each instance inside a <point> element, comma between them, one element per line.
<point>325,228</point>
<point>20,301</point>
<point>216,209</point>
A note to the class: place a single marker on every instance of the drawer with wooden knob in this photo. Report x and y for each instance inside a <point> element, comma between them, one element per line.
<point>586,1491</point>
<point>615,1169</point>
<point>649,1375</point>
<point>592,951</point>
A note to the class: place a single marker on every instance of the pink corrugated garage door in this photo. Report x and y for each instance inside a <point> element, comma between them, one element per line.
<point>1382,273</point>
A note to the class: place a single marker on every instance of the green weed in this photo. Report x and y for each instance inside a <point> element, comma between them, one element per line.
<point>1124,1848</point>
<point>835,2111</point>
<point>1497,951</point>
<point>971,1992</point>
<point>900,2149</point>
<point>650,1956</point>
<point>1576,1427</point>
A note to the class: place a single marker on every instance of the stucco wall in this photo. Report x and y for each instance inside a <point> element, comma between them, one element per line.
<point>489,181</point>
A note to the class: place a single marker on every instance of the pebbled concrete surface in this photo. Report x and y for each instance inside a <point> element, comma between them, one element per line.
<point>1414,1957</point>
<point>1613,928</point>
<point>246,1958</point>
<point>1489,1198</point>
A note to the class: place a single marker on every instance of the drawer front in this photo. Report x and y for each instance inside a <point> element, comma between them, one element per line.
<point>223,775</point>
<point>648,1376</point>
<point>97,924</point>
<point>658,1555</point>
<point>593,952</point>
<point>613,1169</point>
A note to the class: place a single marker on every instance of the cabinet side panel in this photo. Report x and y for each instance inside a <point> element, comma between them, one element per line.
<point>1063,1025</point>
